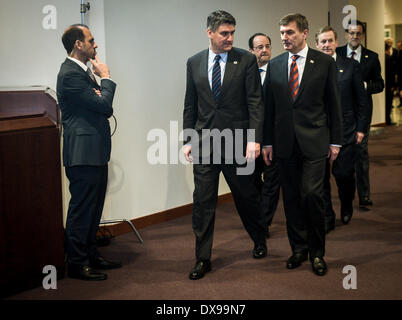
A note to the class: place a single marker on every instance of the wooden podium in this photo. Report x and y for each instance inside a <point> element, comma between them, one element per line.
<point>31,216</point>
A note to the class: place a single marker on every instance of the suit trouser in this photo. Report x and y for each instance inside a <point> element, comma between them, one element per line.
<point>88,189</point>
<point>343,169</point>
<point>205,196</point>
<point>267,183</point>
<point>389,97</point>
<point>302,183</point>
<point>362,168</point>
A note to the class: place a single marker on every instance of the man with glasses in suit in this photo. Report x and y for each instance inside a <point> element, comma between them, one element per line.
<point>373,83</point>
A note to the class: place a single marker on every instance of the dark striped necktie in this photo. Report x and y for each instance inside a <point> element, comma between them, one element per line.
<point>294,78</point>
<point>353,55</point>
<point>91,75</point>
<point>216,78</point>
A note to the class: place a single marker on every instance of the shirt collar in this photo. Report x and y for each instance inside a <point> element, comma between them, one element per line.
<point>212,55</point>
<point>264,67</point>
<point>82,65</point>
<point>334,56</point>
<point>349,51</point>
<point>301,53</point>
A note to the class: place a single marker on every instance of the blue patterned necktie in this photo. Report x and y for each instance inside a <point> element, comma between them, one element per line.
<point>216,78</point>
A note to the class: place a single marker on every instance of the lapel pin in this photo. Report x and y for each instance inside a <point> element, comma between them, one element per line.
<point>311,61</point>
<point>234,62</point>
<point>366,56</point>
<point>341,70</point>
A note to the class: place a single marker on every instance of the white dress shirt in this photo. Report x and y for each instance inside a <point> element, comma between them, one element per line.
<point>211,62</point>
<point>301,62</point>
<point>263,73</point>
<point>358,54</point>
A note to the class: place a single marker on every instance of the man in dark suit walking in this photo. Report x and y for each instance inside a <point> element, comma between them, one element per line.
<point>373,83</point>
<point>223,94</point>
<point>303,126</point>
<point>267,177</point>
<point>355,112</point>
<point>85,108</point>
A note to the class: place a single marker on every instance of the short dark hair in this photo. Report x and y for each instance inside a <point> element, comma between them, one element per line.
<point>301,21</point>
<point>216,18</point>
<point>251,40</point>
<point>72,34</point>
<point>358,23</point>
<point>325,29</point>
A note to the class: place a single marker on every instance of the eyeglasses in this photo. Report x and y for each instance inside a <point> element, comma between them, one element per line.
<point>259,48</point>
<point>358,34</point>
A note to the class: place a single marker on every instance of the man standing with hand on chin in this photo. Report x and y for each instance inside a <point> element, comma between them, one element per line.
<point>85,108</point>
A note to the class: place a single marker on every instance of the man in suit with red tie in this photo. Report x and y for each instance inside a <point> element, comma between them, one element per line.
<point>223,94</point>
<point>303,126</point>
<point>355,112</point>
<point>266,177</point>
<point>373,83</point>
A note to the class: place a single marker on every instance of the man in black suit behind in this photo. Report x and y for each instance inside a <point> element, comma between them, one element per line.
<point>355,112</point>
<point>85,108</point>
<point>303,126</point>
<point>267,177</point>
<point>373,83</point>
<point>223,93</point>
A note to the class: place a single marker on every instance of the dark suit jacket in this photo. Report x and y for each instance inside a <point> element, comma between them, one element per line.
<point>353,99</point>
<point>371,73</point>
<point>86,130</point>
<point>314,118</point>
<point>240,104</point>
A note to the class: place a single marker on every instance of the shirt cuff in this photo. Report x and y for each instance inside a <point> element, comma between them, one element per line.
<point>108,79</point>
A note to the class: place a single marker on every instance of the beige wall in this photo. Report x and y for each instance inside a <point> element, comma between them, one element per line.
<point>393,12</point>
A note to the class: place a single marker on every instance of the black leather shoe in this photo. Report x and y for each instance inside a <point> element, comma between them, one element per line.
<point>296,260</point>
<point>365,202</point>
<point>200,269</point>
<point>260,251</point>
<point>346,215</point>
<point>85,273</point>
<point>102,264</point>
<point>319,266</point>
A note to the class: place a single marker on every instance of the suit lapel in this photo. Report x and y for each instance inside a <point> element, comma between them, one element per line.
<point>340,67</point>
<point>74,65</point>
<point>365,57</point>
<point>285,77</point>
<point>203,74</point>
<point>308,70</point>
<point>230,69</point>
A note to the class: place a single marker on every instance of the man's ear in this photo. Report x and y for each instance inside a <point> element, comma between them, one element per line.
<point>77,44</point>
<point>209,33</point>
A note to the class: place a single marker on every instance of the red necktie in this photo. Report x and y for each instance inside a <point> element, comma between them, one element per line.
<point>353,55</point>
<point>294,78</point>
